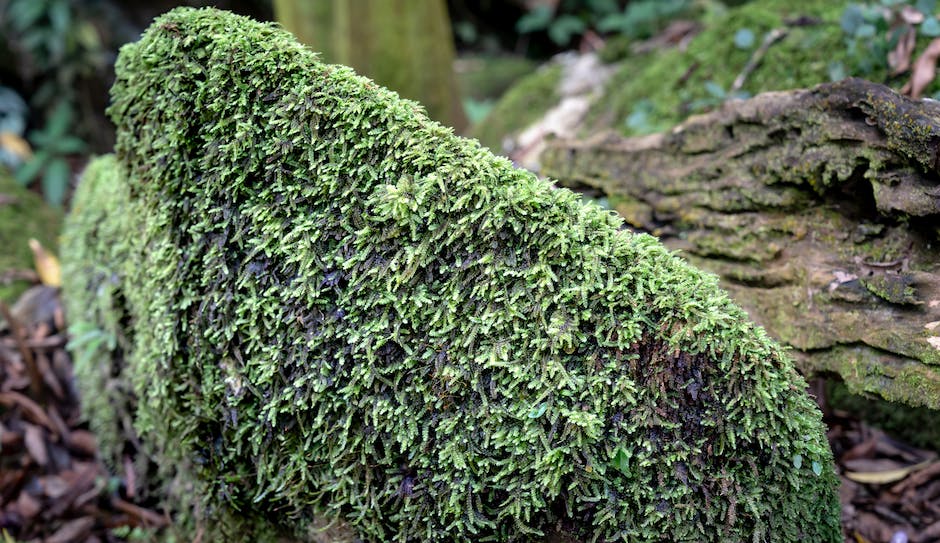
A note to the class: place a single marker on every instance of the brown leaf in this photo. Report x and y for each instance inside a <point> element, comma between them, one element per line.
<point>899,59</point>
<point>83,442</point>
<point>73,530</point>
<point>862,450</point>
<point>55,486</point>
<point>36,444</point>
<point>931,533</point>
<point>925,69</point>
<point>9,439</point>
<point>27,506</point>
<point>870,526</point>
<point>30,408</point>
<point>918,478</point>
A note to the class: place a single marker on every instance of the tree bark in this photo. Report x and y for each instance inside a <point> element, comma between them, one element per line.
<point>819,210</point>
<point>405,45</point>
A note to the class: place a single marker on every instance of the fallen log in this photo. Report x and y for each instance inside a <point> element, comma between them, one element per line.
<point>313,305</point>
<point>820,211</point>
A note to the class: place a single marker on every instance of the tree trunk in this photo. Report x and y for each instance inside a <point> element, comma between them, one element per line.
<point>405,45</point>
<point>819,210</point>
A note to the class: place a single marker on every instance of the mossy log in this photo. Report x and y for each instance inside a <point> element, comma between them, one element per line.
<point>819,209</point>
<point>323,307</point>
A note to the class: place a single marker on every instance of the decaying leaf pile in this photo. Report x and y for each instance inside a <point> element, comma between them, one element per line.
<point>327,308</point>
<point>52,487</point>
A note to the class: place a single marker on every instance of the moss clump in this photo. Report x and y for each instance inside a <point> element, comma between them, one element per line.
<point>682,82</point>
<point>331,308</point>
<point>23,215</point>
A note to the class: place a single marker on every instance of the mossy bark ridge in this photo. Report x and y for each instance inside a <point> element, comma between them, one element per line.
<point>819,210</point>
<point>333,308</point>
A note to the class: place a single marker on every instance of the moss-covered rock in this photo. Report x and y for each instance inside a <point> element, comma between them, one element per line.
<point>653,91</point>
<point>23,215</point>
<point>331,308</point>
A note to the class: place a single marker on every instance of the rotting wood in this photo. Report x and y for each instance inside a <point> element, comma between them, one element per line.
<point>819,209</point>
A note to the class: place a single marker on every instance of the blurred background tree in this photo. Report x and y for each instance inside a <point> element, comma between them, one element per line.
<point>405,45</point>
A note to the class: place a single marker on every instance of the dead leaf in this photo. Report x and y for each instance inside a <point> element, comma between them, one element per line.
<point>74,530</point>
<point>83,442</point>
<point>16,145</point>
<point>862,450</point>
<point>55,486</point>
<point>30,408</point>
<point>27,506</point>
<point>911,16</point>
<point>918,478</point>
<point>931,533</point>
<point>899,59</point>
<point>925,69</point>
<point>47,265</point>
<point>36,444</point>
<point>37,305</point>
<point>881,477</point>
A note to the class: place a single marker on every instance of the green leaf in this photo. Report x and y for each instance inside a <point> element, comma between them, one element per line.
<point>60,15</point>
<point>24,13</point>
<point>836,71</point>
<point>30,169</point>
<point>538,410</point>
<point>69,145</point>
<point>59,120</point>
<point>817,468</point>
<point>55,181</point>
<point>927,7</point>
<point>535,20</point>
<point>565,28</point>
<point>930,27</point>
<point>744,38</point>
<point>865,31</point>
<point>797,461</point>
<point>715,90</point>
<point>621,461</point>
<point>852,18</point>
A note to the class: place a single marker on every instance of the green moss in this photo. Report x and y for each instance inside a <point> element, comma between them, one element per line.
<point>524,104</point>
<point>801,59</point>
<point>668,85</point>
<point>331,308</point>
<point>487,77</point>
<point>894,288</point>
<point>23,215</point>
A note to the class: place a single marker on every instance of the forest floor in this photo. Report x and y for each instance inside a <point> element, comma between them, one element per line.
<point>54,489</point>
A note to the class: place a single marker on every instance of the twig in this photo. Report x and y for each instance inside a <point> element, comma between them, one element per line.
<point>48,342</point>
<point>146,517</point>
<point>9,276</point>
<point>35,380</point>
<point>770,38</point>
